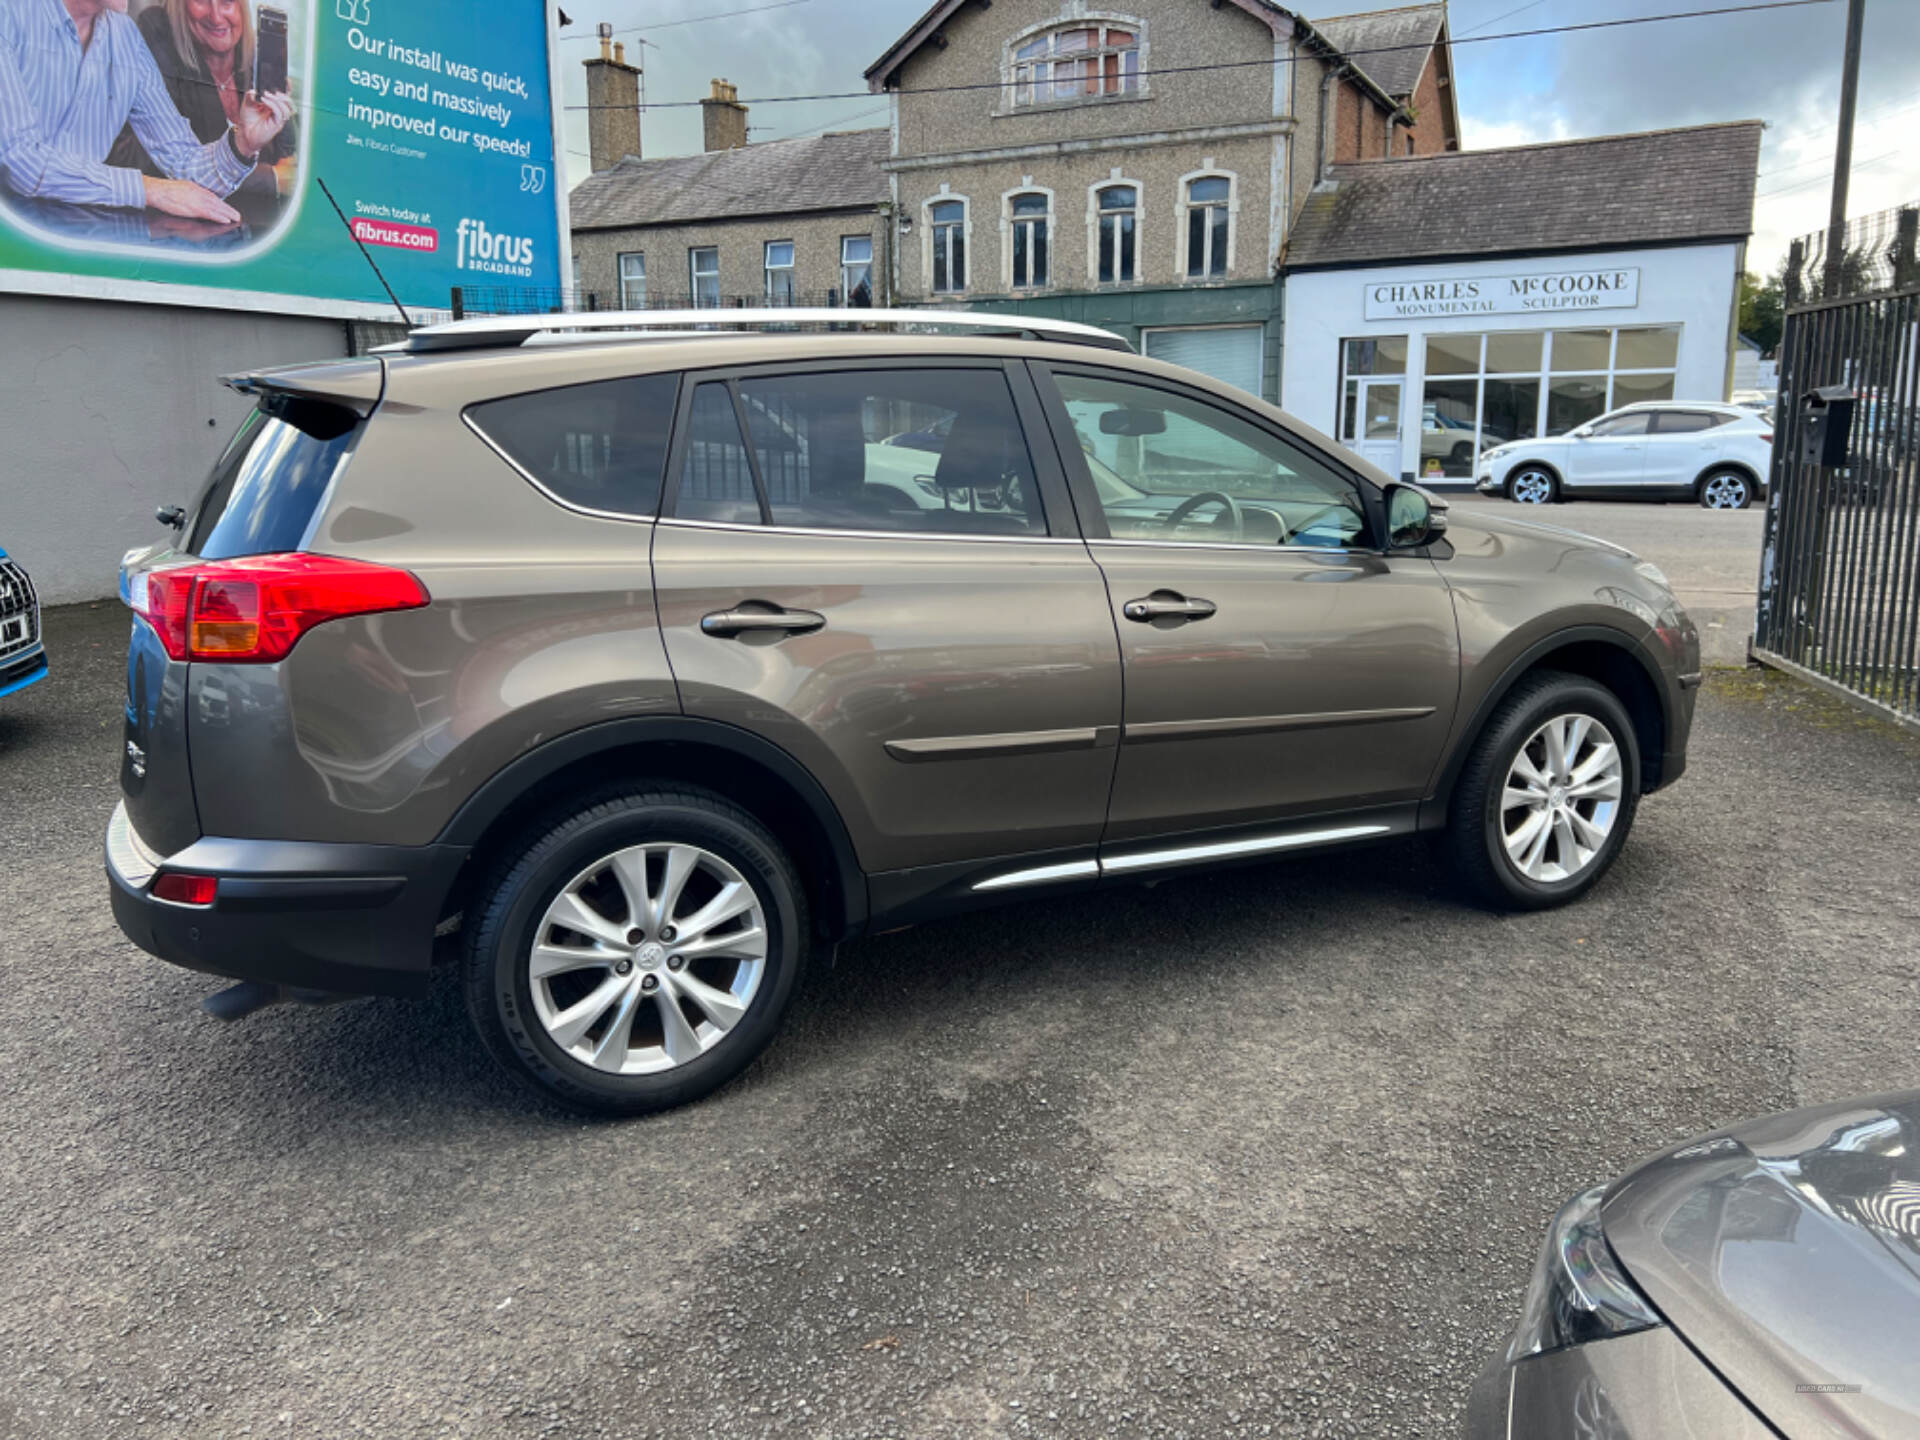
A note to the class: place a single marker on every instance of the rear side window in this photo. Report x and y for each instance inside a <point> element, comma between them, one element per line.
<point>267,485</point>
<point>1687,422</point>
<point>937,451</point>
<point>601,446</point>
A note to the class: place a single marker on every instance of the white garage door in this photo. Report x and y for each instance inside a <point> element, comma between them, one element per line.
<point>1226,352</point>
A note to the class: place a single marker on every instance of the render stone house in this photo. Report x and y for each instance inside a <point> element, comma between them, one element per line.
<point>1137,164</point>
<point>785,222</point>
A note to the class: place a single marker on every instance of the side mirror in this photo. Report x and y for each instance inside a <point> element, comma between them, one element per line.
<point>1414,517</point>
<point>1133,422</point>
<point>171,516</point>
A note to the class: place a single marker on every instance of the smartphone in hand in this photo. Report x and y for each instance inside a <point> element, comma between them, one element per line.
<point>270,51</point>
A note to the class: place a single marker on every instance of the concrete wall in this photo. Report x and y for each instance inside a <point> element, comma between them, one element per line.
<point>742,246</point>
<point>111,409</point>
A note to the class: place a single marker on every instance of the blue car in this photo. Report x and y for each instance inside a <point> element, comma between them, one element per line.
<point>23,659</point>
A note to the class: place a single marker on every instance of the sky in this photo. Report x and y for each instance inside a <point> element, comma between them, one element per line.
<point>1780,66</point>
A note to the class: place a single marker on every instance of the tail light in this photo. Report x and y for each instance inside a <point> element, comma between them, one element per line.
<point>254,610</point>
<point>1767,436</point>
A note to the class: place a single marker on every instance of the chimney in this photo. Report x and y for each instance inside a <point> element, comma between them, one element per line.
<point>724,118</point>
<point>613,92</point>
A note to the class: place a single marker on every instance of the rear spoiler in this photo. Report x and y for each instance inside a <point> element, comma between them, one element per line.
<point>356,385</point>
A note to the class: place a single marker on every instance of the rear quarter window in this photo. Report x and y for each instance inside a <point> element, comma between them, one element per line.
<point>600,446</point>
<point>268,483</point>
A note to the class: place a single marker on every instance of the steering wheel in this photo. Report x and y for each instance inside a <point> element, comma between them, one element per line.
<point>1192,503</point>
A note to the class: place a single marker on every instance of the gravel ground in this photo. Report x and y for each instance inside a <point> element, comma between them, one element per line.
<point>1266,1153</point>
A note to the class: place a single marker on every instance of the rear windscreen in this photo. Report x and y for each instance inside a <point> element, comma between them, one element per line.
<point>267,485</point>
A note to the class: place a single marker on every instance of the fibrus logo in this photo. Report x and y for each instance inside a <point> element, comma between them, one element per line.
<point>481,249</point>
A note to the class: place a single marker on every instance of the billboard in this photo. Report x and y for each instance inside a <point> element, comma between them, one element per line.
<point>186,142</point>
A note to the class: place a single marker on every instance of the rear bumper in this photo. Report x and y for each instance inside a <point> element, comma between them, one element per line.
<point>349,919</point>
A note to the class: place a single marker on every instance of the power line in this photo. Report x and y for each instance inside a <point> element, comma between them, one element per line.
<point>1822,179</point>
<point>1262,63</point>
<point>696,19</point>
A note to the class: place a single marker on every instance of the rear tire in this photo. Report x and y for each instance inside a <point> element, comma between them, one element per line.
<point>1533,485</point>
<point>1489,839</point>
<point>549,995</point>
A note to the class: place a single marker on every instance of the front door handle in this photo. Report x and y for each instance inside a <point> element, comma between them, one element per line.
<point>725,624</point>
<point>1167,605</point>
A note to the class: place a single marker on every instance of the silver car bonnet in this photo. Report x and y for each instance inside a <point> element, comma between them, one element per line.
<point>1787,1252</point>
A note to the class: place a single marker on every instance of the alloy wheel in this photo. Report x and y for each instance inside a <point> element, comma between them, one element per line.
<point>648,958</point>
<point>1724,492</point>
<point>1532,487</point>
<point>1561,799</point>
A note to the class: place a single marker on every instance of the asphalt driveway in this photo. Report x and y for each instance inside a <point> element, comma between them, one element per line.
<point>1265,1153</point>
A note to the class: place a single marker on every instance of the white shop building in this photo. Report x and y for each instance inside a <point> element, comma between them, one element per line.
<point>1436,306</point>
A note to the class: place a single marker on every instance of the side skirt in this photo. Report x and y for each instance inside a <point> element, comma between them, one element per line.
<point>906,897</point>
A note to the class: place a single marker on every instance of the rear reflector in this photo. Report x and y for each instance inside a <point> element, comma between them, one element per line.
<point>253,611</point>
<point>187,889</point>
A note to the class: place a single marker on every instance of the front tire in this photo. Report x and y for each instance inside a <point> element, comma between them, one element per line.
<point>1725,490</point>
<point>1533,485</point>
<point>636,953</point>
<point>1548,794</point>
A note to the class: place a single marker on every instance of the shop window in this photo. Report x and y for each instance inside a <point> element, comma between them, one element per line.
<point>1594,371</point>
<point>947,233</point>
<point>1632,389</point>
<point>1368,410</point>
<point>1469,404</point>
<point>1515,353</point>
<point>1656,348</point>
<point>1082,61</point>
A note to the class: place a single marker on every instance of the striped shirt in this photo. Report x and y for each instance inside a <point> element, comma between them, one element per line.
<point>62,107</point>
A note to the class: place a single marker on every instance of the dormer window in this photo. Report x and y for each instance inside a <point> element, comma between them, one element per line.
<point>1077,61</point>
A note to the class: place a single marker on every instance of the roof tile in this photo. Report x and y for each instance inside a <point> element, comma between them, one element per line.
<point>839,171</point>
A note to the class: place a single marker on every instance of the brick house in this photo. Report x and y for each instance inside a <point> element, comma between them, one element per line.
<point>1137,164</point>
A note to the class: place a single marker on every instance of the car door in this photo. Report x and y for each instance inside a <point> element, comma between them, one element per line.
<point>1680,445</point>
<point>1277,665</point>
<point>932,643</point>
<point>1608,454</point>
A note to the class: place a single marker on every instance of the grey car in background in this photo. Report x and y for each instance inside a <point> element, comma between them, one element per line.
<point>1763,1280</point>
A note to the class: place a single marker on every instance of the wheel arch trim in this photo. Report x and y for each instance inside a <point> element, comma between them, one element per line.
<point>517,779</point>
<point>1751,476</point>
<point>1441,794</point>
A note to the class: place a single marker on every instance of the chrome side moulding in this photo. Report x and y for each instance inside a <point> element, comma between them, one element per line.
<point>1178,855</point>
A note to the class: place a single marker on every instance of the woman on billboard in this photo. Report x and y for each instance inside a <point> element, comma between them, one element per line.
<point>207,51</point>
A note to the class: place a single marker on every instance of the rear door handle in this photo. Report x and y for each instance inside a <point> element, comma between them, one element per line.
<point>1167,604</point>
<point>725,624</point>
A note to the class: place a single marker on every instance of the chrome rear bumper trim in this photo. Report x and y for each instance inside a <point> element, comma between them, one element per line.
<point>132,859</point>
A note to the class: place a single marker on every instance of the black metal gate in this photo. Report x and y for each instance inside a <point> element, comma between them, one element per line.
<point>1839,600</point>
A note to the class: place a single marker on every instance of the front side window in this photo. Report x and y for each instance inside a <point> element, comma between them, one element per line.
<point>856,270</point>
<point>633,281</point>
<point>1209,222</point>
<point>1030,213</point>
<point>936,451</point>
<point>948,233</point>
<point>1118,216</point>
<point>780,289</point>
<point>703,273</point>
<point>1171,468</point>
<point>1616,426</point>
<point>1077,62</point>
<point>601,446</point>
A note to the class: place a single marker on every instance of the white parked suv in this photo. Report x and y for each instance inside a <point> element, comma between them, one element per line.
<point>1659,450</point>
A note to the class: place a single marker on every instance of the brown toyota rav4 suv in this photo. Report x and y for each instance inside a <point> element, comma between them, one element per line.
<point>624,666</point>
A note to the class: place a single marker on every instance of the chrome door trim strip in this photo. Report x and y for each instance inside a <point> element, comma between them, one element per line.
<point>1145,734</point>
<point>540,485</point>
<point>1041,874</point>
<point>1226,849</point>
<point>1018,742</point>
<point>1177,855</point>
<point>1272,547</point>
<point>681,523</point>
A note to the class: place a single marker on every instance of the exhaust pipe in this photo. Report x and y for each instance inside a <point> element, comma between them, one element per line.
<point>236,1002</point>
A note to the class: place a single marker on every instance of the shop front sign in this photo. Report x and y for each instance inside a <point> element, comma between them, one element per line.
<point>1606,289</point>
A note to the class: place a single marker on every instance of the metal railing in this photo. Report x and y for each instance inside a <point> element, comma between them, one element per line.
<point>1839,599</point>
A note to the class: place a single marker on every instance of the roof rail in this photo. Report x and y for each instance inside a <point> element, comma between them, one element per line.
<point>509,331</point>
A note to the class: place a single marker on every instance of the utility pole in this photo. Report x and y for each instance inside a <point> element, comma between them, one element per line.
<point>1843,150</point>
